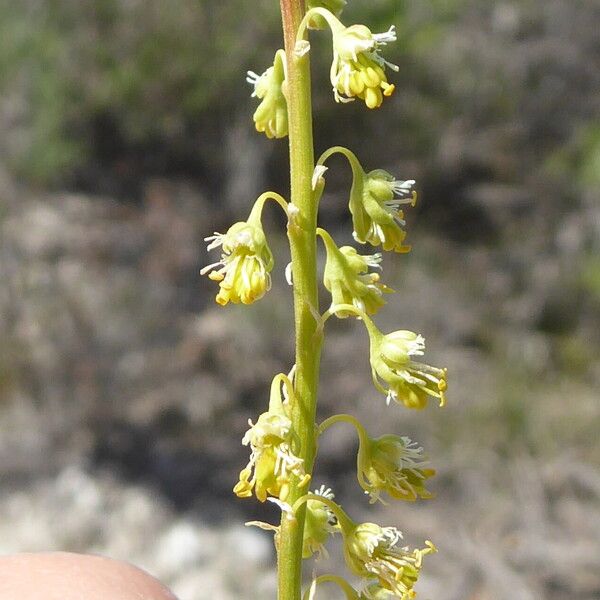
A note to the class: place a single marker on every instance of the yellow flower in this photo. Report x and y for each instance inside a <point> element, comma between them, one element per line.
<point>348,280</point>
<point>408,381</point>
<point>246,261</point>
<point>394,465</point>
<point>357,69</point>
<point>271,116</point>
<point>272,457</point>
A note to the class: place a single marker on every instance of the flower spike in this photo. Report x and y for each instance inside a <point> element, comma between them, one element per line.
<point>271,117</point>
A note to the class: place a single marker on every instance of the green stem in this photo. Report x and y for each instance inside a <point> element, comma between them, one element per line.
<point>371,328</point>
<point>348,590</point>
<point>350,156</point>
<point>360,430</point>
<point>334,23</point>
<point>302,237</point>
<point>257,209</point>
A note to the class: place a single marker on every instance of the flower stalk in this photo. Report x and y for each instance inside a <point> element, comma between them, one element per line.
<point>302,238</point>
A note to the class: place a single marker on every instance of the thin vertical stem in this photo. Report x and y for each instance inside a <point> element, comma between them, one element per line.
<point>302,237</point>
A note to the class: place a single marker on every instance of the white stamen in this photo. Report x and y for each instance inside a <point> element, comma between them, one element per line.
<point>252,78</point>
<point>284,506</point>
<point>382,62</point>
<point>317,176</point>
<point>382,39</point>
<point>301,48</point>
<point>325,492</point>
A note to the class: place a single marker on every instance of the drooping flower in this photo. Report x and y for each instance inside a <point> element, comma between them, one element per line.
<point>357,69</point>
<point>393,465</point>
<point>408,381</point>
<point>319,524</point>
<point>372,551</point>
<point>271,116</point>
<point>246,261</point>
<point>375,201</point>
<point>273,461</point>
<point>348,280</point>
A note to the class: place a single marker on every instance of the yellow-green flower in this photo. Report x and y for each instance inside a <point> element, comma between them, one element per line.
<point>357,70</point>
<point>375,201</point>
<point>372,551</point>
<point>273,461</point>
<point>392,363</point>
<point>271,116</point>
<point>348,280</point>
<point>319,524</point>
<point>246,261</point>
<point>394,465</point>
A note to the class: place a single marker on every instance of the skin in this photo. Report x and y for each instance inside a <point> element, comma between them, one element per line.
<point>66,576</point>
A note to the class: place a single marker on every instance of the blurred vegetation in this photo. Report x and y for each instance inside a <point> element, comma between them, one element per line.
<point>147,71</point>
<point>99,80</point>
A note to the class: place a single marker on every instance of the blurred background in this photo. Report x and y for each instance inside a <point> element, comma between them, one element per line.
<point>126,138</point>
